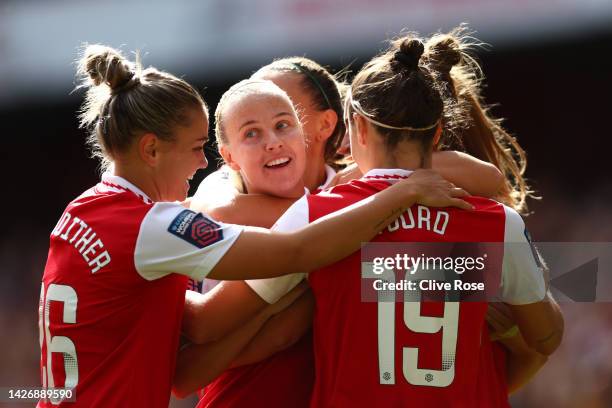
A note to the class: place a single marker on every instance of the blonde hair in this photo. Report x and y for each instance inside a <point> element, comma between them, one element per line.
<point>124,101</point>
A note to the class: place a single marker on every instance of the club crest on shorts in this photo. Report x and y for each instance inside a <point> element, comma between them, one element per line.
<point>196,229</point>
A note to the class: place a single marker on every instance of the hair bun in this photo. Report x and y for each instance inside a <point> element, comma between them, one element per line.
<point>444,52</point>
<point>409,53</point>
<point>105,65</point>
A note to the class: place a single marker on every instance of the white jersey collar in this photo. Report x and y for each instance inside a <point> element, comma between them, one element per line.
<point>390,175</point>
<point>118,184</point>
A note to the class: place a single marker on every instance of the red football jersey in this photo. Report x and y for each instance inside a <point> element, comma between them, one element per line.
<point>416,354</point>
<point>492,386</point>
<point>110,306</point>
<point>282,380</point>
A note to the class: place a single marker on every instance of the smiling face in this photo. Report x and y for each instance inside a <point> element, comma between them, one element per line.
<point>180,158</point>
<point>265,142</point>
<point>319,120</point>
<point>305,106</point>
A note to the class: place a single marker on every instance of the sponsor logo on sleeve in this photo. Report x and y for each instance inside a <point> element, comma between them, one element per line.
<point>196,229</point>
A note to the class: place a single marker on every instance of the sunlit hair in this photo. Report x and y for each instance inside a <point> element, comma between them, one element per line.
<point>124,101</point>
<point>473,128</point>
<point>398,95</point>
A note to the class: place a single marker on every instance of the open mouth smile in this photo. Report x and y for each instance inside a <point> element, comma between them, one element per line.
<point>278,163</point>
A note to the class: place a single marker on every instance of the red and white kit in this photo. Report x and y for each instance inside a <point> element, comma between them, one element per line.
<point>113,293</point>
<point>282,380</point>
<point>395,354</point>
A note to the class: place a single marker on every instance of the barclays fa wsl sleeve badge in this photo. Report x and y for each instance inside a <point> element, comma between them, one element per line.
<point>196,229</point>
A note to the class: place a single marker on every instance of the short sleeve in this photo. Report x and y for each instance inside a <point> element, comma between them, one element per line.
<point>273,289</point>
<point>522,276</point>
<point>218,182</point>
<point>173,239</point>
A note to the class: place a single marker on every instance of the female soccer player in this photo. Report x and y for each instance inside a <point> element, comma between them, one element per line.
<point>316,95</point>
<point>113,288</point>
<point>484,137</point>
<point>357,344</point>
<point>475,131</point>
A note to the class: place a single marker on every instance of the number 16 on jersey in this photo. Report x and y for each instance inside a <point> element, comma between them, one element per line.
<point>58,344</point>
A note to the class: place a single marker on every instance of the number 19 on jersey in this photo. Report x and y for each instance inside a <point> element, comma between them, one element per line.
<point>414,321</point>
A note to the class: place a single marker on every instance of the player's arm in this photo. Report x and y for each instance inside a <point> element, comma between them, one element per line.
<point>210,317</point>
<point>227,306</point>
<point>280,332</point>
<point>524,289</point>
<point>522,362</point>
<point>245,209</point>
<point>199,364</point>
<point>334,236</point>
<point>350,172</point>
<point>173,239</point>
<point>287,327</point>
<point>478,177</point>
<point>540,323</point>
<point>220,199</point>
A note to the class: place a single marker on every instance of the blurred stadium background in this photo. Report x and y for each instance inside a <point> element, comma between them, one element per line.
<point>549,69</point>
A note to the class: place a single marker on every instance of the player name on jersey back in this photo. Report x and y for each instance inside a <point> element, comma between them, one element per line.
<point>421,217</point>
<point>84,239</point>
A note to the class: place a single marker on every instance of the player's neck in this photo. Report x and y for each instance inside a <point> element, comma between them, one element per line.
<point>410,160</point>
<point>314,178</point>
<point>406,154</point>
<point>137,177</point>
